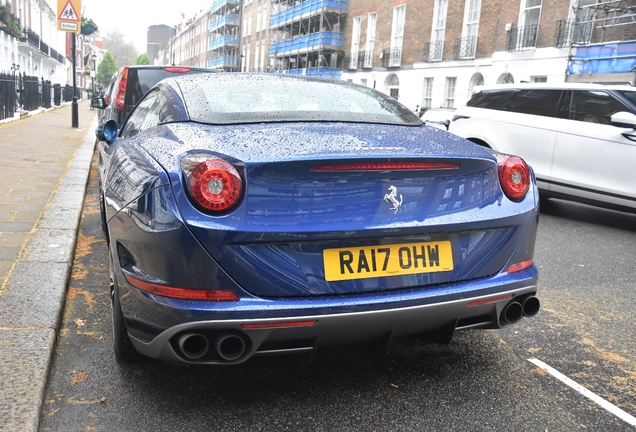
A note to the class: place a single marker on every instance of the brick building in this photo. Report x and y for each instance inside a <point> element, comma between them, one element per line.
<point>432,53</point>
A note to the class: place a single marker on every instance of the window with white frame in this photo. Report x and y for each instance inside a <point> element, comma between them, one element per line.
<point>397,35</point>
<point>363,82</point>
<point>368,53</point>
<point>355,42</point>
<point>265,23</point>
<point>439,28</point>
<point>258,20</point>
<point>257,55</point>
<point>449,92</point>
<point>529,17</point>
<point>249,24</point>
<point>471,29</point>
<point>427,100</point>
<point>263,51</point>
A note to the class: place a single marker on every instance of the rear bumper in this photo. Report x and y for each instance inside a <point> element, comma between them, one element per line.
<point>435,322</point>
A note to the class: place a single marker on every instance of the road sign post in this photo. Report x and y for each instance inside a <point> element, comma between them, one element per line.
<point>69,20</point>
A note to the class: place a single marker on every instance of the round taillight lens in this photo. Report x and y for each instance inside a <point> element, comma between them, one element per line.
<point>514,176</point>
<point>216,185</point>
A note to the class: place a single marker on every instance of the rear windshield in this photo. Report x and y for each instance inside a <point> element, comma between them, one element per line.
<point>142,80</point>
<point>252,98</point>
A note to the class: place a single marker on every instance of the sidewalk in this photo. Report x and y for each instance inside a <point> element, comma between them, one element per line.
<point>44,165</point>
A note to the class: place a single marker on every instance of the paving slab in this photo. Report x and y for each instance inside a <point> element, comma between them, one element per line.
<point>44,164</point>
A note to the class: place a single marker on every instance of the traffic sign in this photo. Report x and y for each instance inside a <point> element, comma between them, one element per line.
<point>68,18</point>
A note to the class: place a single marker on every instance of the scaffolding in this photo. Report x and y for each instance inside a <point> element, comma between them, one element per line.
<point>601,40</point>
<point>223,47</point>
<point>306,37</point>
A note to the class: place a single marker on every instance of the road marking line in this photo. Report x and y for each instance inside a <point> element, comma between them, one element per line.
<point>585,392</point>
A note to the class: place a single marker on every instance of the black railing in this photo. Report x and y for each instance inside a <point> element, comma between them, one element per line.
<point>57,94</point>
<point>465,48</point>
<point>7,96</point>
<point>570,32</point>
<point>32,37</point>
<point>68,93</point>
<point>30,93</point>
<point>354,61</point>
<point>53,54</point>
<point>44,48</point>
<point>391,58</point>
<point>46,94</point>
<point>522,38</point>
<point>433,51</point>
<point>61,58</point>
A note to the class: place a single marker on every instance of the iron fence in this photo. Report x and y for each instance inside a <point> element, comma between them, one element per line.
<point>57,94</point>
<point>465,48</point>
<point>433,51</point>
<point>391,57</point>
<point>570,32</point>
<point>522,38</point>
<point>30,93</point>
<point>7,96</point>
<point>46,93</point>
<point>68,93</point>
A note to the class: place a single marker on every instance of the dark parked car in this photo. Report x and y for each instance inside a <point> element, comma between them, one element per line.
<point>128,86</point>
<point>253,214</point>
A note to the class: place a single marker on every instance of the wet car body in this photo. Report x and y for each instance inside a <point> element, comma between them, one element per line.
<point>306,254</point>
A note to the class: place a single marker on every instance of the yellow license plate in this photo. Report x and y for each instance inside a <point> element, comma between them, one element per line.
<point>387,260</point>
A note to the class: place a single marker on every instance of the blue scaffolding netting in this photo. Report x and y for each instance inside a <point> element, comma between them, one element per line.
<point>610,58</point>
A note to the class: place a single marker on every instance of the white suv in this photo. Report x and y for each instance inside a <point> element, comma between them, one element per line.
<point>580,139</point>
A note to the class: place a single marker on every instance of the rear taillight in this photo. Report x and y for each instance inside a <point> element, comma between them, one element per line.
<point>182,293</point>
<point>514,176</point>
<point>121,93</point>
<point>214,184</point>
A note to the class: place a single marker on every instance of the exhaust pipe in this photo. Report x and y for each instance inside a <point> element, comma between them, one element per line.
<point>531,306</point>
<point>230,347</point>
<point>193,345</point>
<point>512,312</point>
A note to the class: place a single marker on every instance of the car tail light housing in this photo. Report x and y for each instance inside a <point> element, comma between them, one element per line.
<point>121,91</point>
<point>514,176</point>
<point>214,184</point>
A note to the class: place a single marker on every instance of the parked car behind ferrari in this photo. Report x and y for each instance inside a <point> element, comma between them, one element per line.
<point>580,139</point>
<point>251,214</point>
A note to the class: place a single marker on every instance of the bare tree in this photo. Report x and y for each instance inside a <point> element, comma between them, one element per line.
<point>123,52</point>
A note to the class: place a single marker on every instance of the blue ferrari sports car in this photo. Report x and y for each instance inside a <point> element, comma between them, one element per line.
<point>251,214</point>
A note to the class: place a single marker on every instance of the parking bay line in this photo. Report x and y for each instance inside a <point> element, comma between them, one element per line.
<point>585,392</point>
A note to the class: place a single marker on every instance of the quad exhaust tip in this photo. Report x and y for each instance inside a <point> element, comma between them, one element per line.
<point>193,345</point>
<point>515,310</point>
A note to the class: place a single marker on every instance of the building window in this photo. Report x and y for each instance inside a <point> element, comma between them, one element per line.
<point>439,27</point>
<point>427,100</point>
<point>355,43</point>
<point>529,22</point>
<point>471,28</point>
<point>449,92</point>
<point>506,78</point>
<point>397,35</point>
<point>476,80</point>
<point>368,53</point>
<point>363,82</point>
<point>258,20</point>
<point>257,55</point>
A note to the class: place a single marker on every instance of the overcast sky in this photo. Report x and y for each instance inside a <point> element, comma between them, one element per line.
<point>133,17</point>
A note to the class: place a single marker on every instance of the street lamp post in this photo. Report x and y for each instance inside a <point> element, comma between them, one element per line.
<point>94,72</point>
<point>15,68</point>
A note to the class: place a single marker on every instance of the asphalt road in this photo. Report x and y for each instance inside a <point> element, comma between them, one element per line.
<point>482,381</point>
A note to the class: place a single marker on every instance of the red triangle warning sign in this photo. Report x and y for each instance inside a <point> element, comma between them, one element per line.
<point>69,13</point>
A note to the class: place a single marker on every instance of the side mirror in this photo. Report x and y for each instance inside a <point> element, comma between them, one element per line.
<point>446,123</point>
<point>99,103</point>
<point>107,131</point>
<point>623,119</point>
